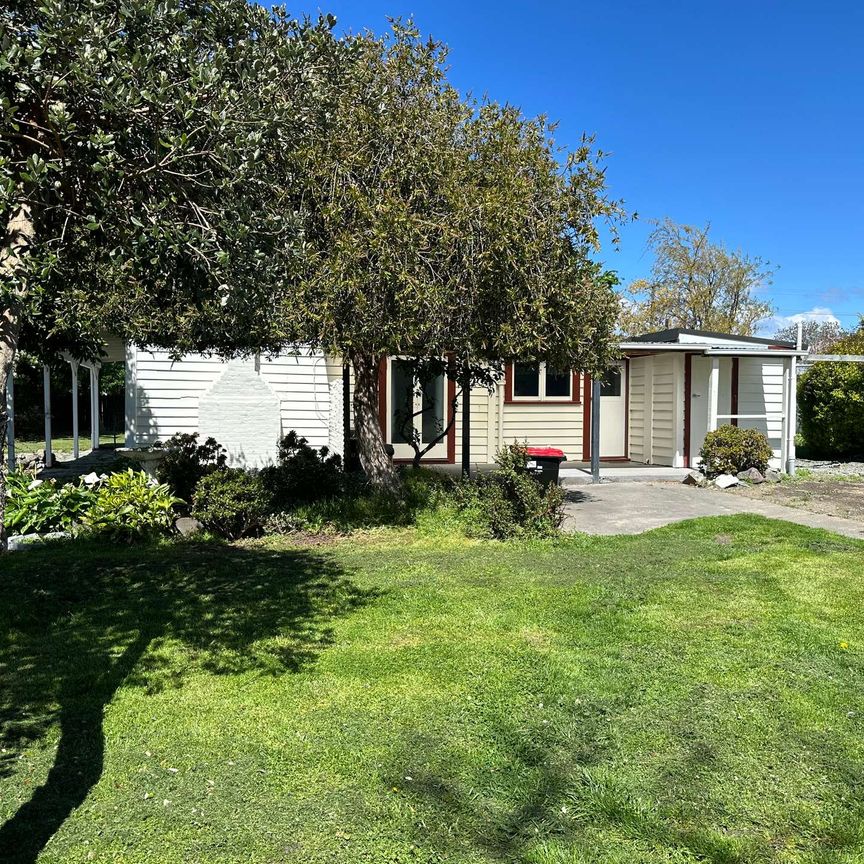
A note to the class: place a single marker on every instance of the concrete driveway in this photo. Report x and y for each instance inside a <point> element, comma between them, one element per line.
<point>631,508</point>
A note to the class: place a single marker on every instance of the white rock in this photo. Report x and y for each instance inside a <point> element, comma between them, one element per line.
<point>772,475</point>
<point>91,479</point>
<point>724,481</point>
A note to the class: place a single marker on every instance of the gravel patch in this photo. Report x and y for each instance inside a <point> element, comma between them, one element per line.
<point>831,466</point>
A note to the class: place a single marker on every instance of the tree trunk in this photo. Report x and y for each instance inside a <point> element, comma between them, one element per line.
<point>16,244</point>
<point>371,448</point>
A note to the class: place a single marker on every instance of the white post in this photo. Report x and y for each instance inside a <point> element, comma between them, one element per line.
<point>785,424</point>
<point>713,393</point>
<point>46,386</point>
<point>792,413</point>
<point>94,407</point>
<point>73,365</point>
<point>10,420</point>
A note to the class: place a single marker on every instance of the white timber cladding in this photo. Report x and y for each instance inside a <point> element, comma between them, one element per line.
<point>665,414</point>
<point>546,424</point>
<point>480,407</point>
<point>656,416</point>
<point>760,391</point>
<point>163,395</point>
<point>640,408</point>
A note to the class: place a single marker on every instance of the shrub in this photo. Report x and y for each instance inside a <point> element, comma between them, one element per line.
<point>130,504</point>
<point>184,462</point>
<point>731,449</point>
<point>38,506</point>
<point>509,502</point>
<point>423,492</point>
<point>831,408</point>
<point>232,502</point>
<point>303,474</point>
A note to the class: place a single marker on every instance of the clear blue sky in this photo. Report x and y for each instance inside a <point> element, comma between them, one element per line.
<point>745,114</point>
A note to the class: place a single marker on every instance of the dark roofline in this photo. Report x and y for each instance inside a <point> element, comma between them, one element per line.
<point>672,335</point>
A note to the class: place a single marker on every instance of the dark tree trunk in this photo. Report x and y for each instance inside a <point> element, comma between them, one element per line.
<point>374,459</point>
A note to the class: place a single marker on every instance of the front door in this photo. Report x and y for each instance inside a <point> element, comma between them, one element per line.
<point>613,413</point>
<point>415,413</point>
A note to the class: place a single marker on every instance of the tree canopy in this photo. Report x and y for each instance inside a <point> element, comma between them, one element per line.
<point>446,225</point>
<point>696,284</point>
<point>140,142</point>
<point>219,177</point>
<point>819,336</point>
<point>140,145</point>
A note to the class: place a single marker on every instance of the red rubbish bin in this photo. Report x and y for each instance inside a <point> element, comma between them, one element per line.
<point>544,462</point>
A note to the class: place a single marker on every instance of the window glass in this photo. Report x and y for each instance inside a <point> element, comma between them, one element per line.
<point>526,380</point>
<point>401,402</point>
<point>557,382</point>
<point>433,409</point>
<point>611,383</point>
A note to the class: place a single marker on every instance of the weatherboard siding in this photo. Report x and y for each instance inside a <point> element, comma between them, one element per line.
<point>163,395</point>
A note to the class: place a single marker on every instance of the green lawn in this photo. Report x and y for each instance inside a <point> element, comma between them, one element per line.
<point>64,445</point>
<point>695,694</point>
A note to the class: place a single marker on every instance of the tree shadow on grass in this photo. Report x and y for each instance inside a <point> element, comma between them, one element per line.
<point>79,620</point>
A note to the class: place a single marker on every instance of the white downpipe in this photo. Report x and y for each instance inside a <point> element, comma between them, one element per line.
<point>500,416</point>
<point>73,365</point>
<point>94,407</point>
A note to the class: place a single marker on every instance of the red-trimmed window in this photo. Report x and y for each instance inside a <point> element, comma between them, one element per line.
<point>536,381</point>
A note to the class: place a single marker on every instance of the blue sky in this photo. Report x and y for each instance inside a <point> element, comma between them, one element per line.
<point>747,115</point>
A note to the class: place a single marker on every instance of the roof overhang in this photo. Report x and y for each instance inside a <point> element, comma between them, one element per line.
<point>637,348</point>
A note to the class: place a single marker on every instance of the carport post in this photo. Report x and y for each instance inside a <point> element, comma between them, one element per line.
<point>595,430</point>
<point>713,393</point>
<point>792,412</point>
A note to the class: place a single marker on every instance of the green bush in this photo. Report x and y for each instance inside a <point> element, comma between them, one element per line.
<point>731,449</point>
<point>831,409</point>
<point>232,502</point>
<point>130,504</point>
<point>184,462</point>
<point>38,506</point>
<point>509,502</point>
<point>303,474</point>
<point>423,492</point>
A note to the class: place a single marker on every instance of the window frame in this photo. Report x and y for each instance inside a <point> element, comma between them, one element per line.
<point>510,397</point>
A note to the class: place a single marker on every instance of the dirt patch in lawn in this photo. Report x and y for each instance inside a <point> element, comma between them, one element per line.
<point>830,497</point>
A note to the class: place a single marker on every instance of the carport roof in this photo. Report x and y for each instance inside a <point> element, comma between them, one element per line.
<point>674,334</point>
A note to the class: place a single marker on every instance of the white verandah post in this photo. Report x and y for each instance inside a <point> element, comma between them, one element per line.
<point>785,421</point>
<point>713,394</point>
<point>46,385</point>
<point>94,407</point>
<point>10,420</point>
<point>73,365</point>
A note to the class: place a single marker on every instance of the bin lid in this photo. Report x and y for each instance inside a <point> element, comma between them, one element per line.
<point>547,452</point>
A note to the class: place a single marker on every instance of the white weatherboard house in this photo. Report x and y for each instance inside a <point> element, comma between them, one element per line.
<point>667,392</point>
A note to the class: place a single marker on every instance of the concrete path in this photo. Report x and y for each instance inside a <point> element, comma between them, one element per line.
<point>631,508</point>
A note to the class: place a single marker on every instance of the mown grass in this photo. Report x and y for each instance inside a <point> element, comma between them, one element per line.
<point>694,694</point>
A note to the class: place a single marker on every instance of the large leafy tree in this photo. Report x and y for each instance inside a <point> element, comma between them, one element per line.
<point>444,226</point>
<point>697,284</point>
<point>140,144</point>
<point>818,335</point>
